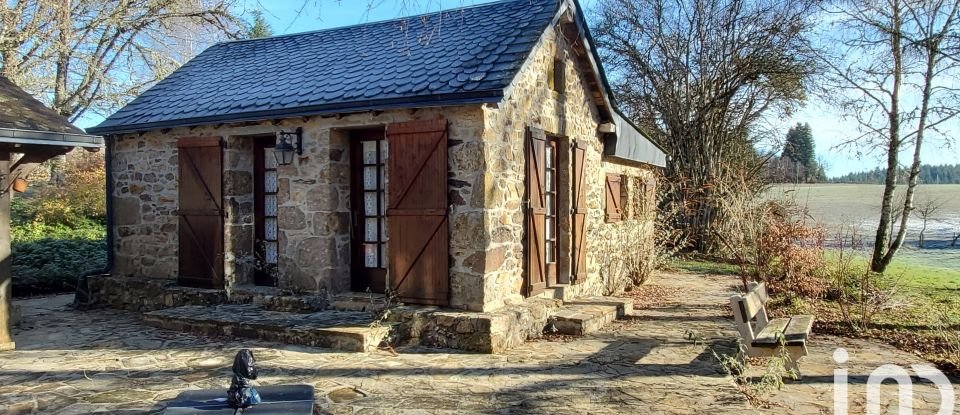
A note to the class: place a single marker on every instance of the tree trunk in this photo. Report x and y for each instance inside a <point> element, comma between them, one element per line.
<point>931,47</point>
<point>879,261</point>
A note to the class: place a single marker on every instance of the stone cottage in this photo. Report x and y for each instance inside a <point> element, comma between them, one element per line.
<point>468,159</point>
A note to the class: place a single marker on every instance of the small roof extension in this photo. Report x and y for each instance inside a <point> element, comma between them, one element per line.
<point>25,121</point>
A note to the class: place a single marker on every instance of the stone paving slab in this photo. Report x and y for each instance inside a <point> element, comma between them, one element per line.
<point>658,360</point>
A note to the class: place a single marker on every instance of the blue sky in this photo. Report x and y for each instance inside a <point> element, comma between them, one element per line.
<point>292,16</point>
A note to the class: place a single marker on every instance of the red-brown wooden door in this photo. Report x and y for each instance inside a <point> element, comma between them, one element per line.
<point>201,213</point>
<point>417,213</point>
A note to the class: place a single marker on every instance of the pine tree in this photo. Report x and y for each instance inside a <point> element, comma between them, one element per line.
<point>259,28</point>
<point>799,148</point>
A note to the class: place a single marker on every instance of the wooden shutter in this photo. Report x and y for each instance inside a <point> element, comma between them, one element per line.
<point>579,264</point>
<point>536,275</point>
<point>613,205</point>
<point>200,212</point>
<point>417,211</point>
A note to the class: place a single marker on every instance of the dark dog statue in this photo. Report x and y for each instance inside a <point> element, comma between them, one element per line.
<point>241,395</point>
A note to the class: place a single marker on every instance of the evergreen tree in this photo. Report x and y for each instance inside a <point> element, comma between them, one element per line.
<point>799,148</point>
<point>259,28</point>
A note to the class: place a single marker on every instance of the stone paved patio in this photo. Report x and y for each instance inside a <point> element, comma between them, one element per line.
<point>659,361</point>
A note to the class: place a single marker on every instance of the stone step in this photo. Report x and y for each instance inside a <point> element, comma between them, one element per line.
<point>339,330</point>
<point>359,302</point>
<point>275,299</point>
<point>587,315</point>
<point>347,305</point>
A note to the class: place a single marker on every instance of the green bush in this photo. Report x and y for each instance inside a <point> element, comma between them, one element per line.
<point>57,230</point>
<point>49,258</point>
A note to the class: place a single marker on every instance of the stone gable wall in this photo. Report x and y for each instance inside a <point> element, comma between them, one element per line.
<point>530,102</point>
<point>314,197</point>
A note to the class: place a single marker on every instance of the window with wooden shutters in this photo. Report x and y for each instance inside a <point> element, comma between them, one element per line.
<point>418,267</point>
<point>579,258</point>
<point>613,203</point>
<point>265,197</point>
<point>551,206</point>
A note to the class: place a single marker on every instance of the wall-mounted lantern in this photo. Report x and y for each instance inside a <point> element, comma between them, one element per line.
<point>284,150</point>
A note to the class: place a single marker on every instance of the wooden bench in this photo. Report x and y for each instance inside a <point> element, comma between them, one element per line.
<point>763,337</point>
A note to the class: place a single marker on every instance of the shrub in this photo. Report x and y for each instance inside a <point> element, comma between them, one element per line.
<point>48,259</point>
<point>80,197</point>
<point>57,229</point>
<point>860,294</point>
<point>771,241</point>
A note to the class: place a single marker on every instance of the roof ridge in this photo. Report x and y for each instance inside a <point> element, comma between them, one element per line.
<point>378,22</point>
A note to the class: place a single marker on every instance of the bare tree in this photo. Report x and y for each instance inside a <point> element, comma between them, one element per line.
<point>698,75</point>
<point>926,209</point>
<point>896,60</point>
<point>95,55</point>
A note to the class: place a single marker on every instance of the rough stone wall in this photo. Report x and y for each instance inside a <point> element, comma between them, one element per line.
<point>572,115</point>
<point>617,251</point>
<point>314,194</point>
<point>145,172</point>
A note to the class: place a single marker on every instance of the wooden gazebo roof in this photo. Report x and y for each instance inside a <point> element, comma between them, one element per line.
<point>29,127</point>
<point>26,122</point>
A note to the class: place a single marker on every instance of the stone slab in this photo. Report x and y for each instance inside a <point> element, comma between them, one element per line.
<point>275,299</point>
<point>624,305</point>
<point>339,330</point>
<point>279,399</point>
<point>484,332</point>
<point>588,315</point>
<point>145,294</point>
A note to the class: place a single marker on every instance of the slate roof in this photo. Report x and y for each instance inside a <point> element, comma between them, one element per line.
<point>458,56</point>
<point>25,120</point>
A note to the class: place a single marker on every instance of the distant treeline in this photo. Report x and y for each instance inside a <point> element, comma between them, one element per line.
<point>942,174</point>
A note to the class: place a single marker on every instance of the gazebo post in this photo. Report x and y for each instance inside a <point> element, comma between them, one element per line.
<point>6,280</point>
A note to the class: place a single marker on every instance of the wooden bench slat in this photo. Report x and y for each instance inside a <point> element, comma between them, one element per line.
<point>769,334</point>
<point>750,304</point>
<point>761,289</point>
<point>798,328</point>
